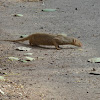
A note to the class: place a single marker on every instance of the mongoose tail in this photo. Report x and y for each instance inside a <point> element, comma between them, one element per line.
<point>24,39</point>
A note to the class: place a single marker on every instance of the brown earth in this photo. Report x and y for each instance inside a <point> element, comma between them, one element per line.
<point>54,74</point>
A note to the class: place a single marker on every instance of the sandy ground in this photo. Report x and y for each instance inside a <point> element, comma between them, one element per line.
<point>56,74</point>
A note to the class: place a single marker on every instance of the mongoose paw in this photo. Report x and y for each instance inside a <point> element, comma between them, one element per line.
<point>58,48</point>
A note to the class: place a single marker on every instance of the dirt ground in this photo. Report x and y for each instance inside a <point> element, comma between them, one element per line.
<point>54,74</point>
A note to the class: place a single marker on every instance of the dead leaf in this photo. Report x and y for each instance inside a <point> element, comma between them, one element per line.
<point>94,60</point>
<point>13,58</point>
<point>23,48</point>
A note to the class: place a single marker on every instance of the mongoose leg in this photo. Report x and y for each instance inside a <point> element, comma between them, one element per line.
<point>56,45</point>
<point>30,42</point>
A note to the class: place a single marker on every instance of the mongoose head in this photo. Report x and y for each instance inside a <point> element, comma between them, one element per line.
<point>77,42</point>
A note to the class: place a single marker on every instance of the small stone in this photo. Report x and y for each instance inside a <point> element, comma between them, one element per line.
<point>75,8</point>
<point>93,69</point>
<point>41,27</point>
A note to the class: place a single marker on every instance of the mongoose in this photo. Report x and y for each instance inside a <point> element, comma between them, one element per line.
<point>50,39</point>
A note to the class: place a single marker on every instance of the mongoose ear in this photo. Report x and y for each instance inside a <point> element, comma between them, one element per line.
<point>74,41</point>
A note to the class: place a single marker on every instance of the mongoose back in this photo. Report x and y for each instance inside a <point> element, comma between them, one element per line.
<point>50,39</point>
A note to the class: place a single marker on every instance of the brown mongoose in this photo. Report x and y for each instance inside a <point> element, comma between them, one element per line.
<point>50,39</point>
